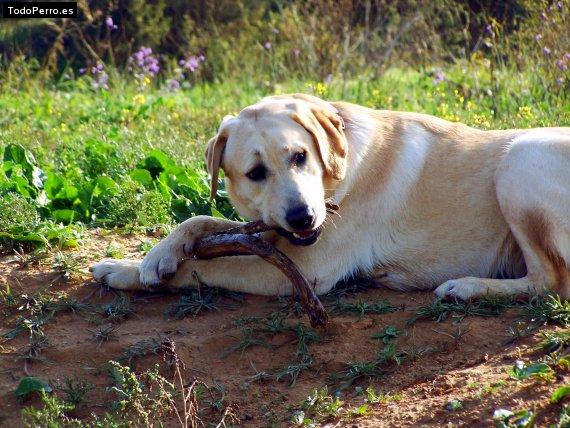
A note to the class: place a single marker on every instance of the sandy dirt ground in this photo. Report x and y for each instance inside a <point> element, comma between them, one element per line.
<point>463,359</point>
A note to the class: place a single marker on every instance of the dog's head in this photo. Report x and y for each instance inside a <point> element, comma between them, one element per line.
<point>281,158</point>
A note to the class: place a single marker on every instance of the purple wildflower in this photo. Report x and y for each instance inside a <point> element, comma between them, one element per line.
<point>546,51</point>
<point>561,64</point>
<point>267,45</point>
<point>559,6</point>
<point>100,77</point>
<point>82,70</point>
<point>192,62</point>
<point>538,37</point>
<point>173,85</point>
<point>144,64</point>
<point>489,30</point>
<point>560,81</point>
<point>439,77</point>
<point>567,56</point>
<point>110,24</point>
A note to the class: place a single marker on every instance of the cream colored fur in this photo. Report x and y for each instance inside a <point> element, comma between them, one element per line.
<point>423,204</point>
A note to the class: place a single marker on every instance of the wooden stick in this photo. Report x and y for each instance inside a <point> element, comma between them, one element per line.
<point>242,240</point>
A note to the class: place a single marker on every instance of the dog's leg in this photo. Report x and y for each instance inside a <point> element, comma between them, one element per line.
<point>162,261</point>
<point>249,274</point>
<point>533,190</point>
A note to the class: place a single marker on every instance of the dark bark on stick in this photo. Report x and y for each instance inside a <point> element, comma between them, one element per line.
<point>241,240</point>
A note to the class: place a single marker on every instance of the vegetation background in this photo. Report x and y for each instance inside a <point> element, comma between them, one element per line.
<point>105,117</point>
<point>115,106</point>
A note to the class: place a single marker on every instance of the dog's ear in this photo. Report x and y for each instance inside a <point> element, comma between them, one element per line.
<point>327,129</point>
<point>214,154</point>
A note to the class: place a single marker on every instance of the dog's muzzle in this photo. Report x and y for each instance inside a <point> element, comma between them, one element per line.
<point>304,238</point>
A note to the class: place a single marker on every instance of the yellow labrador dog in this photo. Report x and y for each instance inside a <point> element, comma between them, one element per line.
<point>423,204</point>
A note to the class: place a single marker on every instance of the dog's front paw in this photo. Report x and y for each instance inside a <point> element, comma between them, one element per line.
<point>462,288</point>
<point>119,274</point>
<point>161,263</point>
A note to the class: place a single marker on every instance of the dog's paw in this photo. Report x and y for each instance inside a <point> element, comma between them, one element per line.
<point>161,263</point>
<point>462,289</point>
<point>119,274</point>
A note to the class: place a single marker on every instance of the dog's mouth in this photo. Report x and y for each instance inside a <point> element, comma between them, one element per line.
<point>307,237</point>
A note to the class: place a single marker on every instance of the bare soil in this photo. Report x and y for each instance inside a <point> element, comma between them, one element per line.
<point>455,359</point>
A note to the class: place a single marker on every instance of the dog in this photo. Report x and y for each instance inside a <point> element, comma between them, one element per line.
<point>423,204</point>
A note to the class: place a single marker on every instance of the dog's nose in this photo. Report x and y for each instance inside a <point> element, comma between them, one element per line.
<point>301,217</point>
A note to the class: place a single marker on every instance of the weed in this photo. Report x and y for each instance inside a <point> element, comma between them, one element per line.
<point>358,370</point>
<point>246,341</point>
<point>145,246</point>
<point>520,330</point>
<point>550,309</point>
<point>454,405</point>
<point>247,320</point>
<point>555,341</point>
<point>76,390</point>
<point>275,323</point>
<point>374,397</point>
<point>67,264</point>
<point>304,336</point>
<point>361,308</point>
<point>258,376</point>
<point>293,370</point>
<point>348,288</point>
<point>39,308</point>
<point>456,336</point>
<point>118,310</point>
<point>521,371</point>
<point>140,399</point>
<point>217,396</point>
<point>387,335</point>
<point>203,299</point>
<point>563,418</point>
<point>439,310</point>
<point>140,349</point>
<point>104,334</point>
<point>37,343</point>
<point>53,413</point>
<point>487,389</point>
<point>521,419</point>
<point>560,394</point>
<point>321,405</point>
<point>114,252</point>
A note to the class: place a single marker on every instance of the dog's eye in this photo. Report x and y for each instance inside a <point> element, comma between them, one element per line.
<point>257,174</point>
<point>299,159</point>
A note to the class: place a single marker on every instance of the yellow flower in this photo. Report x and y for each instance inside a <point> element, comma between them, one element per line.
<point>320,88</point>
<point>482,121</point>
<point>139,99</point>
<point>525,112</point>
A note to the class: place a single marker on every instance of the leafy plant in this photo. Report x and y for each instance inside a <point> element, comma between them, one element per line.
<point>560,394</point>
<point>389,334</point>
<point>520,419</point>
<point>521,371</point>
<point>29,385</point>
